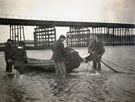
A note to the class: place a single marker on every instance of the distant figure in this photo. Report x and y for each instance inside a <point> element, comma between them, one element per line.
<point>96,50</point>
<point>58,57</point>
<point>20,60</point>
<point>9,55</point>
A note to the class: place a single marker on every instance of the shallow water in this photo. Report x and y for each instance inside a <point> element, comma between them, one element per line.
<point>80,86</point>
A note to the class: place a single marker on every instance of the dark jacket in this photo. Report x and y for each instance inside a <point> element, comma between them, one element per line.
<point>20,55</point>
<point>8,51</point>
<point>58,51</point>
<point>96,47</point>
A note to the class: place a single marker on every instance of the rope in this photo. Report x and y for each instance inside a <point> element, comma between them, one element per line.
<point>89,65</point>
<point>117,65</point>
<point>120,72</point>
<point>110,67</point>
<point>116,70</point>
<point>107,66</point>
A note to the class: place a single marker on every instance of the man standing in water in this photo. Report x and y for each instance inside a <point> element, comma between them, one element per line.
<point>20,61</point>
<point>96,50</point>
<point>9,55</point>
<point>58,57</point>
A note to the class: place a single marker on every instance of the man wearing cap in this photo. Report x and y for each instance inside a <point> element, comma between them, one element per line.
<point>96,50</point>
<point>58,57</point>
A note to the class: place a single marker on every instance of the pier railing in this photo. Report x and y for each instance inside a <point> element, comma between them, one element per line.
<point>112,20</point>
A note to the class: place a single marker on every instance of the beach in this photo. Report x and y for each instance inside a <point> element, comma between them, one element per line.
<point>80,86</point>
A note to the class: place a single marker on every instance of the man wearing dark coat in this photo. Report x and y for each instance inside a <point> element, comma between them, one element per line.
<point>96,50</point>
<point>58,57</point>
<point>9,55</point>
<point>20,61</point>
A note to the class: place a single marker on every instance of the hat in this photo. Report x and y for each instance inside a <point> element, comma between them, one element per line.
<point>19,47</point>
<point>62,36</point>
<point>9,40</point>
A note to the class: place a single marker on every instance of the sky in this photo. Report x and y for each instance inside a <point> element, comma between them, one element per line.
<point>80,10</point>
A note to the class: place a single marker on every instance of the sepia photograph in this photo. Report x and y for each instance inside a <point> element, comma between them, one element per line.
<point>67,50</point>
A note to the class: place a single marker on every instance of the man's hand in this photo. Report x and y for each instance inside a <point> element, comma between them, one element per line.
<point>84,60</point>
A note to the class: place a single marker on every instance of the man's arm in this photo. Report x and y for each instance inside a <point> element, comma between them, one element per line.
<point>62,49</point>
<point>25,56</point>
<point>102,49</point>
<point>91,46</point>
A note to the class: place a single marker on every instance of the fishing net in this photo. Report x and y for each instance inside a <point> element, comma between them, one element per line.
<point>72,59</point>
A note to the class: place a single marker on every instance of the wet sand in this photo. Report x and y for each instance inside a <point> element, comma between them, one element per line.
<point>80,86</point>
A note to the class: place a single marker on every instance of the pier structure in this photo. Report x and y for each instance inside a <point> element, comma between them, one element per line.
<point>115,36</point>
<point>44,36</point>
<point>17,33</point>
<point>79,34</point>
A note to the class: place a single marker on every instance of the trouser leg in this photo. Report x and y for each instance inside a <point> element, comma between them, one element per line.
<point>19,67</point>
<point>62,69</point>
<point>57,71</point>
<point>20,79</point>
<point>15,77</point>
<point>7,66</point>
<point>99,66</point>
<point>94,65</point>
<point>10,67</point>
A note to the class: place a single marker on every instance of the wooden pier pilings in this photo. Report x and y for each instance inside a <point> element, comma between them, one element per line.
<point>80,36</point>
<point>44,37</point>
<point>17,33</point>
<point>113,33</point>
<point>77,36</point>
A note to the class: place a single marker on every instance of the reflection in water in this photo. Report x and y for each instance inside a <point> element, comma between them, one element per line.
<point>80,86</point>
